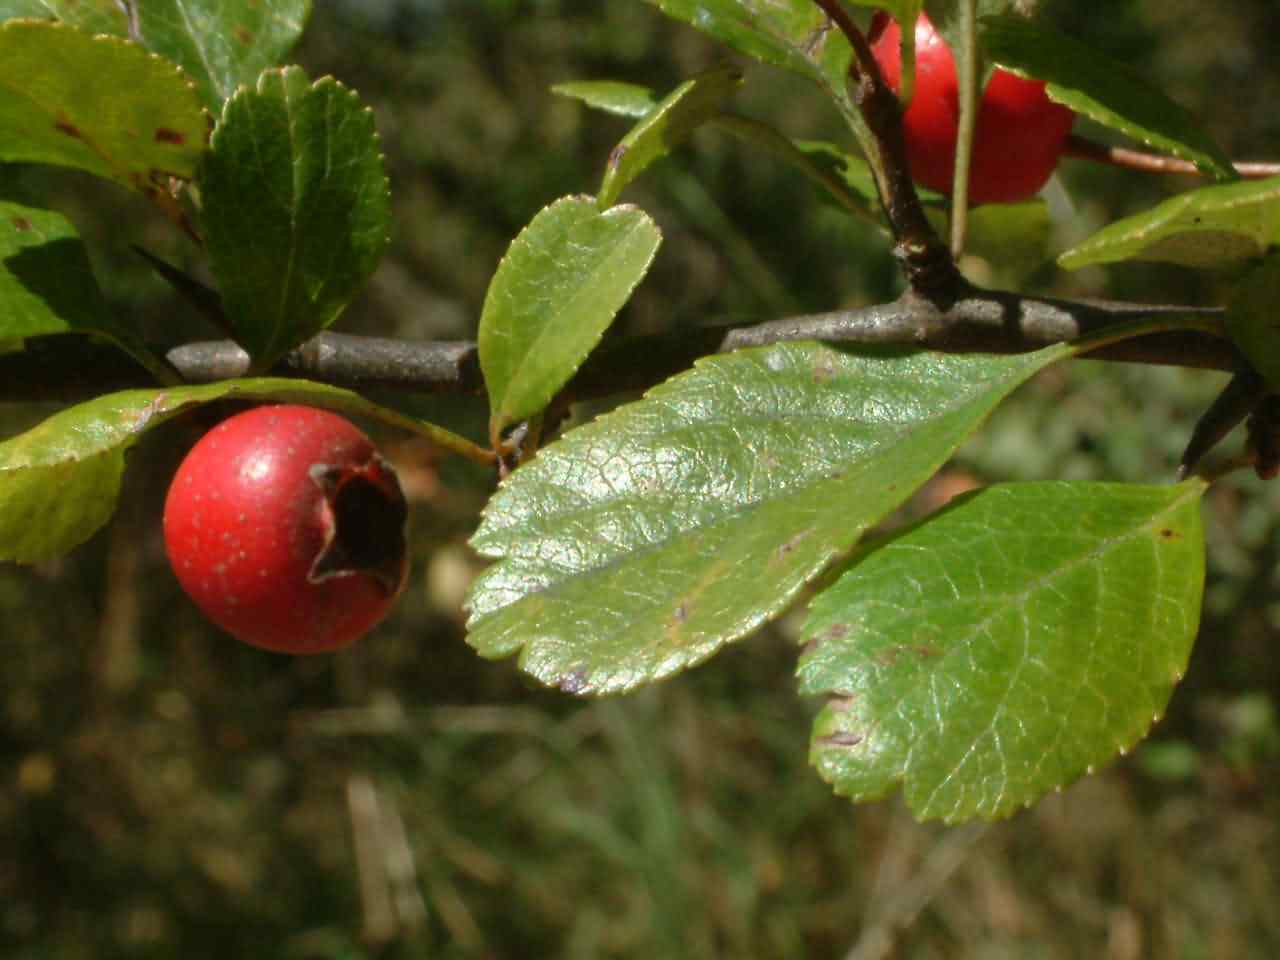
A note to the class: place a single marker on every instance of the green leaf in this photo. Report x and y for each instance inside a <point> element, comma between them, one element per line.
<point>847,179</point>
<point>46,283</point>
<point>59,481</point>
<point>1104,90</point>
<point>785,33</point>
<point>611,96</point>
<point>1004,647</point>
<point>96,103</point>
<point>554,294</point>
<point>1253,321</point>
<point>1012,237</point>
<point>1207,227</point>
<point>91,16</point>
<point>665,127</point>
<point>296,208</point>
<point>222,44</point>
<point>644,542</point>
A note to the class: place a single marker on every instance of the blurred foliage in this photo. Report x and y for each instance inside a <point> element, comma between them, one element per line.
<point>167,792</point>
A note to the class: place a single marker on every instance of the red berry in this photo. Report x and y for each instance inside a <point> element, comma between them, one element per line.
<point>286,528</point>
<point>1020,132</point>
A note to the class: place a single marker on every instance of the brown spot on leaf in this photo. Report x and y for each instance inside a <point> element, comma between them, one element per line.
<point>616,155</point>
<point>789,547</point>
<point>842,739</point>
<point>1168,534</point>
<point>21,224</point>
<point>889,656</point>
<point>837,631</point>
<point>68,128</point>
<point>243,35</point>
<point>165,135</point>
<point>823,370</point>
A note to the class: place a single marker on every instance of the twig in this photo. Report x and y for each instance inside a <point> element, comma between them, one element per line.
<point>1086,149</point>
<point>68,369</point>
<point>926,260</point>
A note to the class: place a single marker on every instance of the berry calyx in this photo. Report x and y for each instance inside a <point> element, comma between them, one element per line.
<point>286,528</point>
<point>1019,136</point>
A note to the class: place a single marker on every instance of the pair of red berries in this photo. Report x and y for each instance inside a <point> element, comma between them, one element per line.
<point>286,528</point>
<point>1019,136</point>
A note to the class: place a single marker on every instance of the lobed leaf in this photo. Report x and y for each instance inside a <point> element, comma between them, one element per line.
<point>1005,646</point>
<point>1211,226</point>
<point>644,542</point>
<point>96,103</point>
<point>1102,89</point>
<point>59,481</point>
<point>296,209</point>
<point>552,297</point>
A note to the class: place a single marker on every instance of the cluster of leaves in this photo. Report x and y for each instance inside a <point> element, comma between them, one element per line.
<point>990,654</point>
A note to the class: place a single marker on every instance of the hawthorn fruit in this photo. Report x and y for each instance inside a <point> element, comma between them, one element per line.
<point>1019,136</point>
<point>286,528</point>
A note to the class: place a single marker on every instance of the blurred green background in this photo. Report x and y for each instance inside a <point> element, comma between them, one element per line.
<point>167,792</point>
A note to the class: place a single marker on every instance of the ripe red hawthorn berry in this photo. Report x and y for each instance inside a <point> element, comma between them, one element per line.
<point>286,527</point>
<point>1020,132</point>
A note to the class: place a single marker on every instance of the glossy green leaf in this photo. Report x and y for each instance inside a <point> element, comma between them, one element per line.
<point>611,96</point>
<point>1207,227</point>
<point>92,16</point>
<point>46,283</point>
<point>554,294</point>
<point>1253,319</point>
<point>1102,89</point>
<point>222,44</point>
<point>59,481</point>
<point>665,127</point>
<point>296,210</point>
<point>1007,645</point>
<point>644,542</point>
<point>97,103</point>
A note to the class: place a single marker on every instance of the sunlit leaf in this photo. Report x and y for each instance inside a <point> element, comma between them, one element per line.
<point>1200,228</point>
<point>554,294</point>
<point>97,103</point>
<point>611,96</point>
<point>296,209</point>
<point>92,16</point>
<point>59,481</point>
<point>1105,90</point>
<point>644,542</point>
<point>1005,646</point>
<point>666,126</point>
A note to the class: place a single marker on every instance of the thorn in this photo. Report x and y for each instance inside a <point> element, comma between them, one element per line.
<point>1237,400</point>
